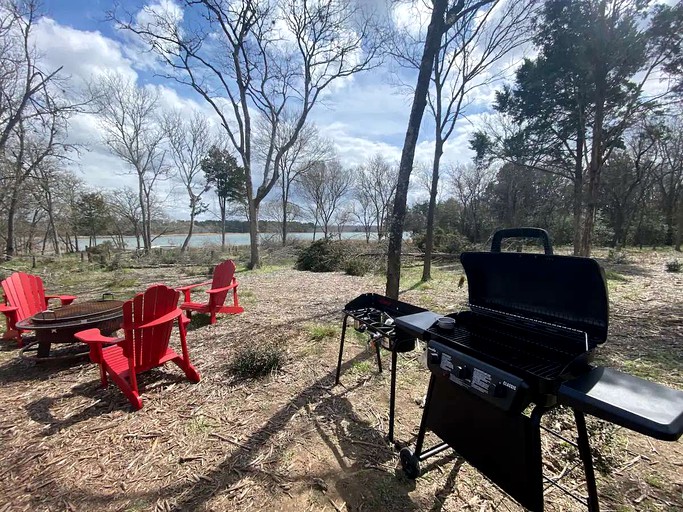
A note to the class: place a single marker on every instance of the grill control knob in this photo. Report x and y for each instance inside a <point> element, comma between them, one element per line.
<point>461,372</point>
<point>434,357</point>
<point>500,390</point>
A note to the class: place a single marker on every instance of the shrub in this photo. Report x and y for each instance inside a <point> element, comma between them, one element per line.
<point>321,256</point>
<point>357,266</point>
<point>673,266</point>
<point>444,241</point>
<point>253,362</point>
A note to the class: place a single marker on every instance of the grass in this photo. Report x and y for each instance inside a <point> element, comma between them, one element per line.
<point>360,368</point>
<point>319,332</point>
<point>199,425</point>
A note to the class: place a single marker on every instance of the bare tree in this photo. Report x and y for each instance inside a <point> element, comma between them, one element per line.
<point>469,50</point>
<point>68,189</point>
<point>377,181</point>
<point>33,111</point>
<point>265,56</point>
<point>363,211</point>
<point>323,188</point>
<point>342,217</point>
<point>126,212</point>
<point>469,183</point>
<point>25,92</point>
<point>30,146</point>
<point>307,149</point>
<point>189,141</point>
<point>48,193</point>
<point>130,121</point>
<point>443,17</point>
<point>274,211</point>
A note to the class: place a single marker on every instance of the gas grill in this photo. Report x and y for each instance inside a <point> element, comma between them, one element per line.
<point>376,315</point>
<point>524,346</point>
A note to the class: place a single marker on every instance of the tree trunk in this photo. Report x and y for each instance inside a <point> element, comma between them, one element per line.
<point>144,214</point>
<point>284,212</point>
<point>679,231</point>
<point>432,42</point>
<point>431,211</point>
<point>578,189</point>
<point>44,243</point>
<point>186,243</point>
<point>222,206</point>
<point>53,229</point>
<point>11,212</point>
<point>597,141</point>
<point>254,261</point>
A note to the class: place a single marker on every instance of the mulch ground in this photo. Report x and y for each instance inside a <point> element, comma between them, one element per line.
<point>293,440</point>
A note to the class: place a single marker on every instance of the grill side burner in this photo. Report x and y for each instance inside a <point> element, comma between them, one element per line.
<point>528,339</point>
<point>376,315</point>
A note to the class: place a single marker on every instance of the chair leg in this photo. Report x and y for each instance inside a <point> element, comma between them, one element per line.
<point>213,317</point>
<point>128,391</point>
<point>103,377</point>
<point>184,361</point>
<point>190,371</point>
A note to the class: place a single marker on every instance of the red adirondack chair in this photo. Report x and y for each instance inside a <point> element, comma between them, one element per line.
<point>24,296</point>
<point>223,281</point>
<point>147,323</point>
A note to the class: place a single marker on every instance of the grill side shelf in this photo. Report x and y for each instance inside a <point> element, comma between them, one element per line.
<point>627,401</point>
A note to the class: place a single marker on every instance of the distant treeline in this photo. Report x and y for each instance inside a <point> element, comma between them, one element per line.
<point>232,226</point>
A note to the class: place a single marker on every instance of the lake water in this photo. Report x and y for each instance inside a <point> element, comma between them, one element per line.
<point>203,239</point>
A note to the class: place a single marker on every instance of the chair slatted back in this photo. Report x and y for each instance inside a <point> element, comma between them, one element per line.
<point>26,292</point>
<point>148,345</point>
<point>222,277</point>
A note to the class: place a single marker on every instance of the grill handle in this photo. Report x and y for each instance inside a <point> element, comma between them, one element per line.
<point>539,233</point>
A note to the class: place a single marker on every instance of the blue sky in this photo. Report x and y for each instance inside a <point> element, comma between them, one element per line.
<point>364,117</point>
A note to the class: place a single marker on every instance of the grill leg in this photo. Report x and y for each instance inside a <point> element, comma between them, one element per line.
<point>392,395</point>
<point>536,454</point>
<point>341,348</point>
<point>585,452</point>
<point>377,353</point>
<point>423,422</point>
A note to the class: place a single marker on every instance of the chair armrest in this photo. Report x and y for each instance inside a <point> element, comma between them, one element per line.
<point>219,290</point>
<point>187,290</point>
<point>7,309</point>
<point>95,336</point>
<point>159,321</point>
<point>184,320</point>
<point>190,286</point>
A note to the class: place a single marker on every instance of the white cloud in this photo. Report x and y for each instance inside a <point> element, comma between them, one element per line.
<point>82,54</point>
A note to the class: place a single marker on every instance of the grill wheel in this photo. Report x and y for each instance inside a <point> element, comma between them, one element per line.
<point>409,463</point>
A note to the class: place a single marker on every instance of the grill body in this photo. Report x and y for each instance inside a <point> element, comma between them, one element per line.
<point>525,346</point>
<point>534,321</point>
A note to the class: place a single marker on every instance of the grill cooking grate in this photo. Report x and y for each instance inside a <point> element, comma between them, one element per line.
<point>510,351</point>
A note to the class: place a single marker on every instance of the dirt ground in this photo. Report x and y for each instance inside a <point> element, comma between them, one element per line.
<point>293,441</point>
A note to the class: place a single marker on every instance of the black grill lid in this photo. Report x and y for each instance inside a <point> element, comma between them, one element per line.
<point>562,290</point>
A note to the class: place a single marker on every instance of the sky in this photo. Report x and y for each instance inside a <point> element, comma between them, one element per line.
<point>363,116</point>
